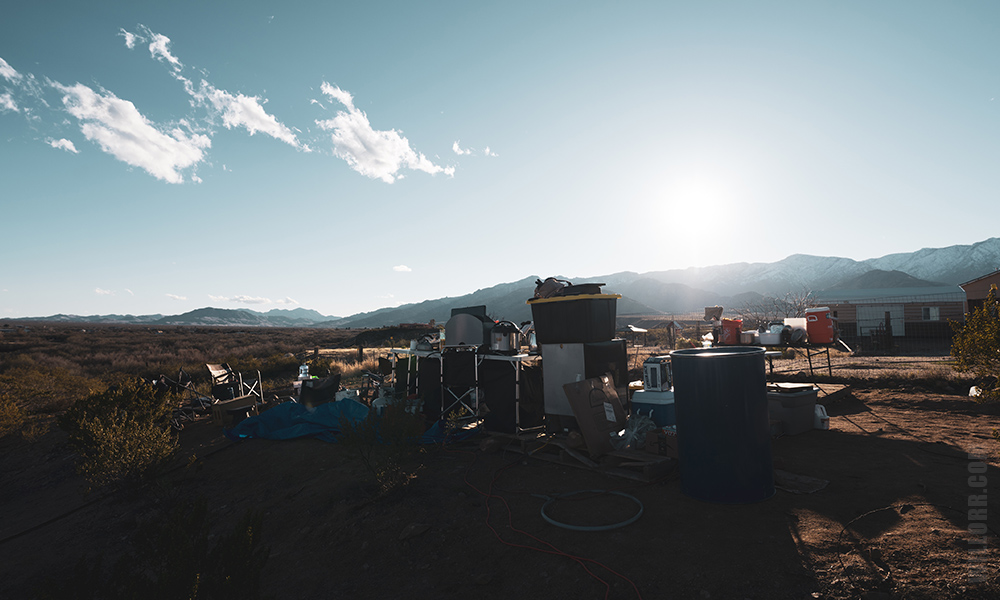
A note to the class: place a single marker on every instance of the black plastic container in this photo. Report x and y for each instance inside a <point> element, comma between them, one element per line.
<point>574,319</point>
<point>723,432</point>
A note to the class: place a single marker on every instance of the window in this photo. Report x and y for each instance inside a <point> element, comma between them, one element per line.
<point>931,313</point>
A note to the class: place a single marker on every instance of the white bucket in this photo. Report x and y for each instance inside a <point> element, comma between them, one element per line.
<point>821,420</point>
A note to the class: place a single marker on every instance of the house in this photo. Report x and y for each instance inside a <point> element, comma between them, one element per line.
<point>910,313</point>
<point>977,289</point>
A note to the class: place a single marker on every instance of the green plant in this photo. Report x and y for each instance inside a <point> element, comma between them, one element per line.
<point>121,434</point>
<point>976,346</point>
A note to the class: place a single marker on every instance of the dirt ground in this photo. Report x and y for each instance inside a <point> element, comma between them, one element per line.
<point>892,522</point>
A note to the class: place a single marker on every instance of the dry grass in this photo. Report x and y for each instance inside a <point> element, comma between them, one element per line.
<point>794,364</point>
<point>48,367</point>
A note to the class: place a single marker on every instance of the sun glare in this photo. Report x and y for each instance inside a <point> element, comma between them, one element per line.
<point>696,211</point>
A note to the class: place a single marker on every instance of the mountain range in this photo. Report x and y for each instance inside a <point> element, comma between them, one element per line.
<point>673,292</point>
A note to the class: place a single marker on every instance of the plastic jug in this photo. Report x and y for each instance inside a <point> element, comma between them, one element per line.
<point>821,420</point>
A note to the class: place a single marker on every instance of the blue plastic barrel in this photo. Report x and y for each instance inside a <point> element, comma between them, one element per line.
<point>723,433</point>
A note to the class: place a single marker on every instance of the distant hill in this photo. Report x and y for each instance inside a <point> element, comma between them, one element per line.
<point>673,292</point>
<point>877,278</point>
<point>298,314</point>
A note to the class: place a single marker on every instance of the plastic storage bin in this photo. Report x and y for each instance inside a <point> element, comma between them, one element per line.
<point>794,407</point>
<point>574,319</point>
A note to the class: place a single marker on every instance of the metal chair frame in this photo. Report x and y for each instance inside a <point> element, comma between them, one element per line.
<point>462,394</point>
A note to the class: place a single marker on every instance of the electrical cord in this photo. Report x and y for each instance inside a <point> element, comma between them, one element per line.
<point>548,548</point>
<point>549,500</point>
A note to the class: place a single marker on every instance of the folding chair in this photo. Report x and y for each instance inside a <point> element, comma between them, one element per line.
<point>460,381</point>
<point>228,384</point>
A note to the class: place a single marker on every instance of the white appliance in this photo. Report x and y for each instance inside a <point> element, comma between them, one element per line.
<point>656,374</point>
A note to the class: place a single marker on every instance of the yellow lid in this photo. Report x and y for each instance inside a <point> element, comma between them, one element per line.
<point>576,297</point>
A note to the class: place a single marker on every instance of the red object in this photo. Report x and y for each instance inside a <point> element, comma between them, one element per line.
<point>731,329</point>
<point>819,325</point>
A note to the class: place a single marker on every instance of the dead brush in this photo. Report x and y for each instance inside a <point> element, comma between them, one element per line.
<point>385,442</point>
<point>352,370</point>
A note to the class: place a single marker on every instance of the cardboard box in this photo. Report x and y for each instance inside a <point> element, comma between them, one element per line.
<point>598,411</point>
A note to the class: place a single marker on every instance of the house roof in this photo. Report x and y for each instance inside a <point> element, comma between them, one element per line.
<point>939,293</point>
<point>987,276</point>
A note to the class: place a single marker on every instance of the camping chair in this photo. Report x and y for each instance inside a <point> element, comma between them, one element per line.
<point>460,382</point>
<point>228,384</point>
<point>319,391</point>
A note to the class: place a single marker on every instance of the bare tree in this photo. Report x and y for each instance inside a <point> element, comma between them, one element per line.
<point>762,312</point>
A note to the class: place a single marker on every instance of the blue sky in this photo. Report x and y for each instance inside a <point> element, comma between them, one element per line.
<point>158,157</point>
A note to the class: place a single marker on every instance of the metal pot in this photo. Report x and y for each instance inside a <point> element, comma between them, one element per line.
<point>505,338</point>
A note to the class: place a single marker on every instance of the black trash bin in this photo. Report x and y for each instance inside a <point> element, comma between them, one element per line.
<point>723,433</point>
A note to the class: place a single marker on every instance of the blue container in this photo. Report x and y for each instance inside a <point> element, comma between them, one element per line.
<point>658,406</point>
<point>723,433</point>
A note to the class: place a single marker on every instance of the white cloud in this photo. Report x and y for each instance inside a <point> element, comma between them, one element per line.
<point>236,110</point>
<point>63,144</point>
<point>176,297</point>
<point>130,39</point>
<point>287,300</point>
<point>240,299</point>
<point>244,111</point>
<point>121,131</point>
<point>101,292</point>
<point>373,153</point>
<point>130,292</point>
<point>466,151</point>
<point>8,71</point>
<point>159,49</point>
<point>7,102</point>
<point>402,269</point>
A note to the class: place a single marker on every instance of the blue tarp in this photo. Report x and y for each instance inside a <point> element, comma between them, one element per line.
<point>292,420</point>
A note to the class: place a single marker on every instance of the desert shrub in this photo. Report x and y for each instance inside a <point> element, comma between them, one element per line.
<point>43,389</point>
<point>976,346</point>
<point>683,342</point>
<point>384,443</point>
<point>121,434</point>
<point>12,416</point>
<point>279,366</point>
<point>172,558</point>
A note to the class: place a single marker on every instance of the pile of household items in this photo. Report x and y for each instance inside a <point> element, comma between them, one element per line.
<point>817,328</point>
<point>558,387</point>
